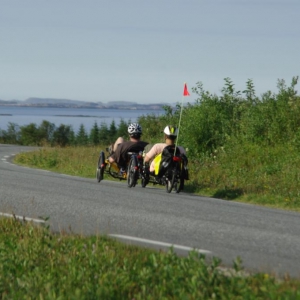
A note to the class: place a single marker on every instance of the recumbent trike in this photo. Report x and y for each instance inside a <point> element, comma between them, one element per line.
<point>170,169</point>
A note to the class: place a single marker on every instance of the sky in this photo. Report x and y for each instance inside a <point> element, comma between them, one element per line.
<point>144,51</point>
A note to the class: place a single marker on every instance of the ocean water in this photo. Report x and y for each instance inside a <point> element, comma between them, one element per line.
<point>68,116</point>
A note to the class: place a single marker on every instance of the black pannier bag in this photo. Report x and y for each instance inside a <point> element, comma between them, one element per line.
<point>167,158</point>
<point>185,167</point>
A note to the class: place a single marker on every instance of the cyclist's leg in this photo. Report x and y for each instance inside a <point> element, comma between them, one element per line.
<point>119,140</point>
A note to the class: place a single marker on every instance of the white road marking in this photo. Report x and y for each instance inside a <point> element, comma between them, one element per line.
<point>132,238</point>
<point>22,218</point>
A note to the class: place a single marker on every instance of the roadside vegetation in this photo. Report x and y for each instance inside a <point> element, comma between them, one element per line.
<point>37,264</point>
<point>240,146</point>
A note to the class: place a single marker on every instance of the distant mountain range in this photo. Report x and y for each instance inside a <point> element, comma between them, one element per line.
<point>50,102</point>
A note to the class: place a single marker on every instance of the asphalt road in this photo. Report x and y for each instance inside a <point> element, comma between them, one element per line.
<point>267,240</point>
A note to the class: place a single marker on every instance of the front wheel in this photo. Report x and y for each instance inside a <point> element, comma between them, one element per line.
<point>144,182</point>
<point>132,172</point>
<point>145,177</point>
<point>100,167</point>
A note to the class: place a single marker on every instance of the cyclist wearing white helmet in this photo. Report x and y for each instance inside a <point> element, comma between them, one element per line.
<point>170,135</point>
<point>134,144</point>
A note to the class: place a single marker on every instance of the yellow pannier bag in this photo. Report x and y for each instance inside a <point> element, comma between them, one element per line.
<point>157,160</point>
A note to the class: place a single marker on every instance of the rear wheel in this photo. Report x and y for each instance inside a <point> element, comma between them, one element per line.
<point>171,181</point>
<point>132,172</point>
<point>100,167</point>
<point>179,185</point>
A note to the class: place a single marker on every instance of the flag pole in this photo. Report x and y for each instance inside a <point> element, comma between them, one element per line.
<point>179,123</point>
<point>185,93</point>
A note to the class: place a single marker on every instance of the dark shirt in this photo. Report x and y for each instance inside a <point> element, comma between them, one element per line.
<point>120,156</point>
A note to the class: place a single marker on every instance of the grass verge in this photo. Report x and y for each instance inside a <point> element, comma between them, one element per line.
<point>36,264</point>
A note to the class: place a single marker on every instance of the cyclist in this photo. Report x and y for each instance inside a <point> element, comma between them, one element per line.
<point>170,135</point>
<point>121,147</point>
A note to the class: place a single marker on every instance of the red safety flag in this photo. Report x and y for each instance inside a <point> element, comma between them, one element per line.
<point>185,91</point>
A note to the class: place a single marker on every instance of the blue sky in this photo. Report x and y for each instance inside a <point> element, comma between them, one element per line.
<point>144,51</point>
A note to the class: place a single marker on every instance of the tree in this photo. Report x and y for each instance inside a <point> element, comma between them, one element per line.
<point>94,135</point>
<point>29,134</point>
<point>45,132</point>
<point>72,138</point>
<point>12,134</point>
<point>103,134</point>
<point>112,131</point>
<point>122,129</point>
<point>81,137</point>
<point>62,135</point>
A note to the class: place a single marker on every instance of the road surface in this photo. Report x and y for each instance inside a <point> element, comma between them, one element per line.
<point>267,240</point>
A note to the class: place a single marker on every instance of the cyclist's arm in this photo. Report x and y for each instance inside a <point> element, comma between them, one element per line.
<point>147,158</point>
<point>152,153</point>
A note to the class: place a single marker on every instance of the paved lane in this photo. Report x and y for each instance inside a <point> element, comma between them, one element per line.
<point>265,239</point>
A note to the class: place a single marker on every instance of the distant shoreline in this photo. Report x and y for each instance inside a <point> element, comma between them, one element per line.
<point>139,107</point>
<point>22,116</point>
<point>80,116</point>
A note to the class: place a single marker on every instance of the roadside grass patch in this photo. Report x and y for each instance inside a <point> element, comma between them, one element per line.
<point>250,173</point>
<point>36,264</point>
<point>76,161</point>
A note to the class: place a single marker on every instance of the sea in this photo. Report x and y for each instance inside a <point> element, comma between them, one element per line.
<point>69,116</point>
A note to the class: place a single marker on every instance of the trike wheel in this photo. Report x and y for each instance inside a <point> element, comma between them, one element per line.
<point>170,182</point>
<point>132,172</point>
<point>145,181</point>
<point>145,178</point>
<point>100,167</point>
<point>179,186</point>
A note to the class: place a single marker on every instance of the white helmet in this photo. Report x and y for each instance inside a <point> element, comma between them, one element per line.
<point>135,129</point>
<point>171,130</point>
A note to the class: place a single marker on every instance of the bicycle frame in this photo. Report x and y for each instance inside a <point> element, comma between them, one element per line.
<point>132,172</point>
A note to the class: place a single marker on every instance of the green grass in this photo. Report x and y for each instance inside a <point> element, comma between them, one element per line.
<point>36,264</point>
<point>240,172</point>
<point>250,173</point>
<point>77,161</point>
